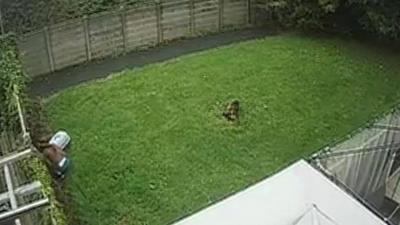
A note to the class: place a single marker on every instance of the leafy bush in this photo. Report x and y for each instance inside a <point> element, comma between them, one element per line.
<point>12,80</point>
<point>379,17</point>
<point>22,16</point>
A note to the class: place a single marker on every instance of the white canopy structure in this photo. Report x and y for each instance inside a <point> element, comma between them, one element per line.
<point>298,195</point>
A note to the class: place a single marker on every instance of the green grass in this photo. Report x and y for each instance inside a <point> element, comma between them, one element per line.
<point>150,146</point>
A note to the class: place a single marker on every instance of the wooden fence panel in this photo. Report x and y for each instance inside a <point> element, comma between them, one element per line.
<point>68,44</point>
<point>105,34</point>
<point>33,52</point>
<point>110,34</point>
<point>141,27</point>
<point>175,19</point>
<point>206,16</point>
<point>235,13</point>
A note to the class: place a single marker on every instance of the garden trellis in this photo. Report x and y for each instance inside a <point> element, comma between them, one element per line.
<point>20,196</point>
<point>368,166</point>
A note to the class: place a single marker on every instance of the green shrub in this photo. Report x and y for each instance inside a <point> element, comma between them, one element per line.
<point>382,18</point>
<point>22,16</point>
<point>37,170</point>
<point>12,80</point>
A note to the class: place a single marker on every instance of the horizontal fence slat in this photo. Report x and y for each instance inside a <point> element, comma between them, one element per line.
<point>139,30</point>
<point>175,4</point>
<point>205,15</point>
<point>142,43</point>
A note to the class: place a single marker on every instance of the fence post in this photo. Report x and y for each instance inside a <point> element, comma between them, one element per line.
<point>221,15</point>
<point>159,22</point>
<point>191,11</point>
<point>123,27</point>
<point>1,23</point>
<point>49,48</point>
<point>87,38</point>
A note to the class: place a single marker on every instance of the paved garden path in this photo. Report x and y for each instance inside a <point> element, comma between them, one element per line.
<point>52,83</point>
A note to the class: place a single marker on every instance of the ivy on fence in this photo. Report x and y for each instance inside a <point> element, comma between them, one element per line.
<point>12,80</point>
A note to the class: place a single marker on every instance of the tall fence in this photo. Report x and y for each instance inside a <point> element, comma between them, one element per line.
<point>108,34</point>
<point>368,166</point>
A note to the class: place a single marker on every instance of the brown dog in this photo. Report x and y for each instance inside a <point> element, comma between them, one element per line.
<point>232,111</point>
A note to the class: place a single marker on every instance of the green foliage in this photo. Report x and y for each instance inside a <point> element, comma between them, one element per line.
<point>379,17</point>
<point>302,13</point>
<point>25,15</point>
<point>37,170</point>
<point>12,80</point>
<point>150,146</point>
<point>22,16</point>
<point>382,17</point>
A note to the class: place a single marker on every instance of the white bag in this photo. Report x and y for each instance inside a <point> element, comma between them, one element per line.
<point>61,139</point>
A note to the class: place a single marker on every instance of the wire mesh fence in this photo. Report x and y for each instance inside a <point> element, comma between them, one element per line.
<point>367,165</point>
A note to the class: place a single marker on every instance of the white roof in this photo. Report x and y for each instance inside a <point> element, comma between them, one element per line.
<point>298,195</point>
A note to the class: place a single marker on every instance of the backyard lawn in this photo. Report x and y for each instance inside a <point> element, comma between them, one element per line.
<point>150,145</point>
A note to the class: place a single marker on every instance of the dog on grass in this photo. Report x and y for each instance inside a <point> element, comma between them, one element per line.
<point>232,111</point>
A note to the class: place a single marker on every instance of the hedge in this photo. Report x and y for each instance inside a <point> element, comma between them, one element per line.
<point>22,16</point>
<point>13,81</point>
<point>378,17</point>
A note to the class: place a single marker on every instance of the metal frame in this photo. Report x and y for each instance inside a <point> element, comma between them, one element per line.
<point>19,209</point>
<point>15,157</point>
<point>387,127</point>
<point>22,191</point>
<point>390,146</point>
<point>354,151</point>
<point>13,192</point>
<point>23,210</point>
